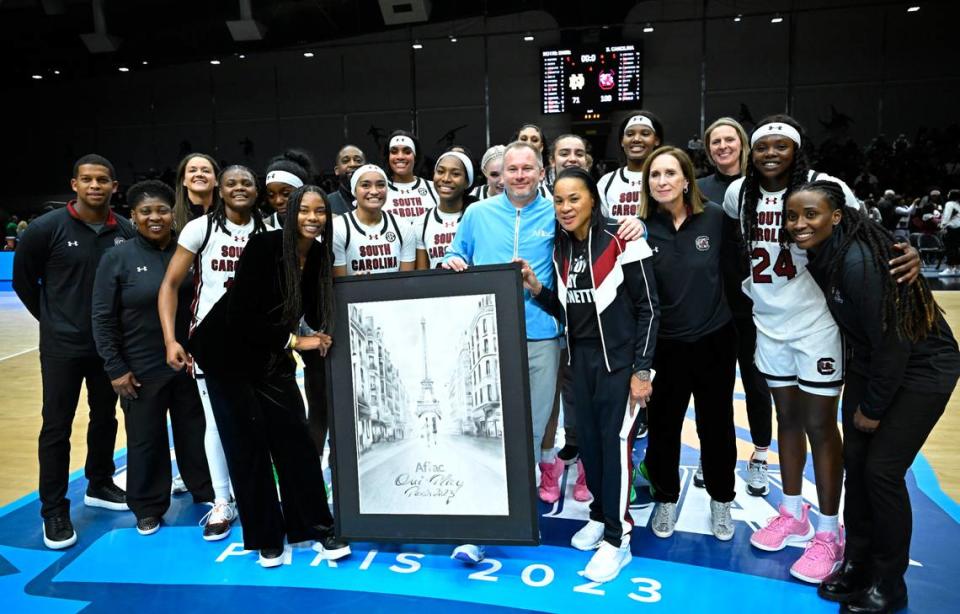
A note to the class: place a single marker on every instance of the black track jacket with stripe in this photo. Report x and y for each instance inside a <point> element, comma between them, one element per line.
<point>625,294</point>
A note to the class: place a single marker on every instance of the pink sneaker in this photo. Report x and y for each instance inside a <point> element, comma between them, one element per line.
<point>783,530</point>
<point>549,489</point>
<point>580,491</point>
<point>821,558</point>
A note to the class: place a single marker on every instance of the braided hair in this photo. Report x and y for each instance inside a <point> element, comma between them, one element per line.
<point>908,308</point>
<point>219,211</point>
<point>752,177</point>
<point>292,286</point>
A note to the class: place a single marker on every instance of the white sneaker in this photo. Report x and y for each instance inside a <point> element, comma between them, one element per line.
<point>468,553</point>
<point>721,523</point>
<point>216,522</point>
<point>664,519</point>
<point>606,563</point>
<point>588,537</point>
<point>178,486</point>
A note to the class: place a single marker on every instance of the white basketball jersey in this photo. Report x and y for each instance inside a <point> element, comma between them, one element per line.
<point>787,302</point>
<point>435,232</point>
<point>372,249</point>
<point>620,192</point>
<point>215,263</point>
<point>408,201</point>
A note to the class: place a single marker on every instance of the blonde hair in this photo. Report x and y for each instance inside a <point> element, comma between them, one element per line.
<point>692,197</point>
<point>741,134</point>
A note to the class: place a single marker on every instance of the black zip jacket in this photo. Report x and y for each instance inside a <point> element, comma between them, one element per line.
<point>687,262</point>
<point>126,325</point>
<point>735,265</point>
<point>53,272</point>
<point>625,296</point>
<point>888,362</point>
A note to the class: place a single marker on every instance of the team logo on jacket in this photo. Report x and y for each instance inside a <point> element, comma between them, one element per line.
<point>826,366</point>
<point>703,243</point>
<point>390,236</point>
<point>118,240</point>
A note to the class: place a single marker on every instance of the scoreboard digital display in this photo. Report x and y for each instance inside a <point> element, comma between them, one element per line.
<point>589,82</point>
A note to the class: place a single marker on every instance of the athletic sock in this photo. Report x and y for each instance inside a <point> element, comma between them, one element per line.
<point>548,456</point>
<point>759,454</point>
<point>793,504</point>
<point>829,524</point>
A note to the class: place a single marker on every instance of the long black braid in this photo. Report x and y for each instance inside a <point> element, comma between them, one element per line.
<point>910,307</point>
<point>219,211</point>
<point>751,183</point>
<point>292,284</point>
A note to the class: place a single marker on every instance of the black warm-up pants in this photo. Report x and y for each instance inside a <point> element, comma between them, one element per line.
<point>61,379</point>
<point>705,368</point>
<point>605,432</point>
<point>759,403</point>
<point>148,449</point>
<point>877,512</point>
<point>263,424</point>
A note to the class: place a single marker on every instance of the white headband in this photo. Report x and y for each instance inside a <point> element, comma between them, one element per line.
<point>643,120</point>
<point>363,170</point>
<point>494,153</point>
<point>284,177</point>
<point>775,129</point>
<point>401,141</point>
<point>459,155</point>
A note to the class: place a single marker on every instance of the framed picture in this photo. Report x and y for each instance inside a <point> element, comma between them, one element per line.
<point>427,381</point>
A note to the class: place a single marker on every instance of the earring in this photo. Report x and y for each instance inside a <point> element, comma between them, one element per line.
<point>685,188</point>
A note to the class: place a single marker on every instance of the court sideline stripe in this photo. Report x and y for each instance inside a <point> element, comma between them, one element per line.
<point>21,353</point>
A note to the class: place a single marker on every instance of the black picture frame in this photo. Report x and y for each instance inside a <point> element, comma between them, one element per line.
<point>519,526</point>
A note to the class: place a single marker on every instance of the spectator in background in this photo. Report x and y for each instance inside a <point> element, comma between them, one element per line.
<point>950,223</point>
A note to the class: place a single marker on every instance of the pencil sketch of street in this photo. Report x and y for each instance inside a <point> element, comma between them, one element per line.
<point>429,423</point>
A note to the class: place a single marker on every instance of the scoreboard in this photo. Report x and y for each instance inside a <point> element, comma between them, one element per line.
<point>590,82</point>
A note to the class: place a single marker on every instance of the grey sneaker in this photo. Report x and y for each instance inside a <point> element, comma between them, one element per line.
<point>178,486</point>
<point>757,482</point>
<point>698,476</point>
<point>664,519</point>
<point>720,521</point>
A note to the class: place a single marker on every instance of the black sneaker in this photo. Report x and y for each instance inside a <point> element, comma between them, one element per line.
<point>568,454</point>
<point>108,495</point>
<point>330,547</point>
<point>58,532</point>
<point>271,557</point>
<point>148,525</point>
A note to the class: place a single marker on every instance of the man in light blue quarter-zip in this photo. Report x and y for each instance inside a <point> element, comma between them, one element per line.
<point>520,223</point>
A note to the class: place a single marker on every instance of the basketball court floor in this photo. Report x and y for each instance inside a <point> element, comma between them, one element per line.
<point>112,568</point>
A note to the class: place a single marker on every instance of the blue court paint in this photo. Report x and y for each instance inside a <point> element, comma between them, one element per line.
<point>543,578</point>
<point>28,565</point>
<point>112,567</point>
<point>928,483</point>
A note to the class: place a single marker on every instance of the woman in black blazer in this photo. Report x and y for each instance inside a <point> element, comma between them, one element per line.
<point>247,340</point>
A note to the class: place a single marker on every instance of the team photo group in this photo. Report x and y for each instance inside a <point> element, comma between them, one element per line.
<point>643,288</point>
